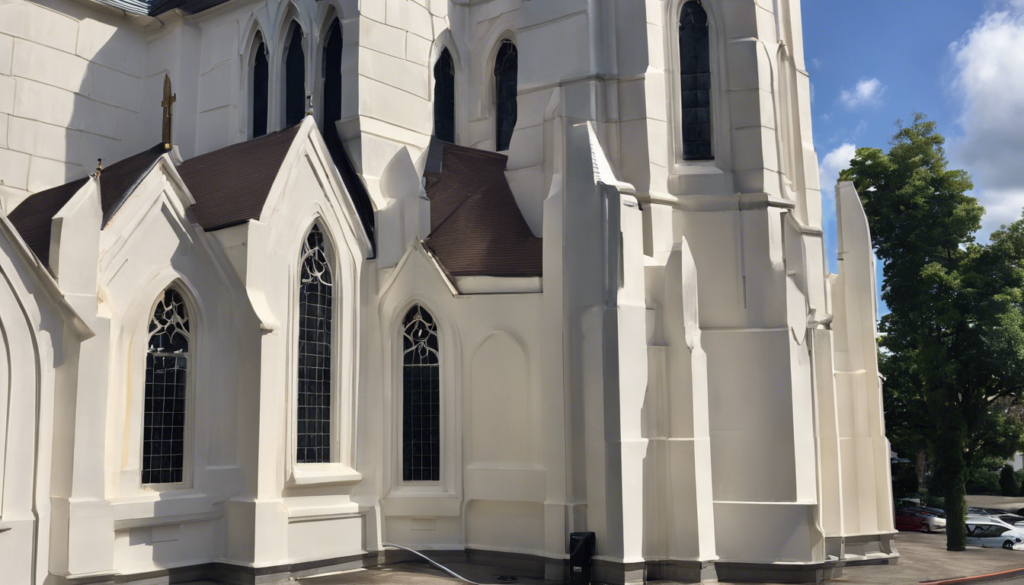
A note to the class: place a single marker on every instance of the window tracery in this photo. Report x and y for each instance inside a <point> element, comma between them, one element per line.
<point>164,418</point>
<point>421,397</point>
<point>315,357</point>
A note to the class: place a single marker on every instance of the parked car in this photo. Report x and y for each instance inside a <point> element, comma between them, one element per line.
<point>918,520</point>
<point>990,533</point>
<point>908,520</point>
<point>1003,515</point>
<point>934,517</point>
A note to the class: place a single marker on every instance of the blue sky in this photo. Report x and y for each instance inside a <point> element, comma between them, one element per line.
<point>873,62</point>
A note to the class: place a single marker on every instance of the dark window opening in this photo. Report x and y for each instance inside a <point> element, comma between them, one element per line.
<point>260,87</point>
<point>295,80</point>
<point>695,79</point>
<point>506,75</point>
<point>421,398</point>
<point>332,74</point>
<point>163,426</point>
<point>444,97</point>
<point>315,316</point>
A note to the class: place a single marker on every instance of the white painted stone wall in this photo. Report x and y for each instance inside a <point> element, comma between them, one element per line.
<point>72,79</point>
<point>604,399</point>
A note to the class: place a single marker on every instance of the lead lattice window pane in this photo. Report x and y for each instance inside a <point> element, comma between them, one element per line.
<point>316,291</point>
<point>164,414</point>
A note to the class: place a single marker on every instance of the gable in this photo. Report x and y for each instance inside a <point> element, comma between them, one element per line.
<point>34,217</point>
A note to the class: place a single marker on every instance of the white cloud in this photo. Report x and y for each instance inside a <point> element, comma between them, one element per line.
<point>828,172</point>
<point>868,92</point>
<point>833,163</point>
<point>989,79</point>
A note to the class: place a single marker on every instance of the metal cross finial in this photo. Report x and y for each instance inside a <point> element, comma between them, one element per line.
<point>169,99</point>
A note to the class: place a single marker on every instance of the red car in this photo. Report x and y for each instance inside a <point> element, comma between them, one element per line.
<point>910,520</point>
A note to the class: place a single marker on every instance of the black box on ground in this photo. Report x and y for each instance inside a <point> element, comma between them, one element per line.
<point>581,548</point>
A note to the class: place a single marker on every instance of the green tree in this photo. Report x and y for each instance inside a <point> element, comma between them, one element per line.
<point>954,340</point>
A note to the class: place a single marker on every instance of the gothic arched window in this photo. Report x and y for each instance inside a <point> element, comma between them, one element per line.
<point>332,74</point>
<point>316,313</point>
<point>421,398</point>
<point>444,97</point>
<point>506,77</point>
<point>695,81</point>
<point>164,414</point>
<point>294,79</point>
<point>260,88</point>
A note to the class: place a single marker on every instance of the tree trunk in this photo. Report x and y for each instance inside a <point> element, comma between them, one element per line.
<point>951,458</point>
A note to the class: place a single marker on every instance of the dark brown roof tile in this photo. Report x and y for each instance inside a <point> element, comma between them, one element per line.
<point>476,226</point>
<point>231,185</point>
<point>34,217</point>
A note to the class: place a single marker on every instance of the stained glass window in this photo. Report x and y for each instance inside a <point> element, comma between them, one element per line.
<point>314,381</point>
<point>695,80</point>
<point>163,428</point>
<point>295,79</point>
<point>506,76</point>
<point>444,97</point>
<point>332,74</point>
<point>260,81</point>
<point>421,398</point>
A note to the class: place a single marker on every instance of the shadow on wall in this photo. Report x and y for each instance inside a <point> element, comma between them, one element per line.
<point>74,88</point>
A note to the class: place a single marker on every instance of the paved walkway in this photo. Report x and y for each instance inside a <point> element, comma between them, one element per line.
<point>923,557</point>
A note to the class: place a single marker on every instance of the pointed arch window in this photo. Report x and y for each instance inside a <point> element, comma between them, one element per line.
<point>294,78</point>
<point>260,88</point>
<point>421,397</point>
<point>506,76</point>
<point>164,415</point>
<point>333,44</point>
<point>315,358</point>
<point>444,97</point>
<point>695,81</point>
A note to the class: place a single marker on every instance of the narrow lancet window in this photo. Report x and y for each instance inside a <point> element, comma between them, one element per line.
<point>316,313</point>
<point>295,79</point>
<point>695,81</point>
<point>163,433</point>
<point>444,97</point>
<point>260,89</point>
<point>506,76</point>
<point>332,75</point>
<point>421,398</point>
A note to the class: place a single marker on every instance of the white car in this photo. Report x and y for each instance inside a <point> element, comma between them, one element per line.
<point>991,533</point>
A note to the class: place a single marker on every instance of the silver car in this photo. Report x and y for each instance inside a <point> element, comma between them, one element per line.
<point>994,534</point>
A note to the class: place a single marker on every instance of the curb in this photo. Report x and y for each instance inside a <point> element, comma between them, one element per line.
<point>987,578</point>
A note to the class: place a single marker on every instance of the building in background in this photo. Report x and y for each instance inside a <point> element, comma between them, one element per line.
<point>466,276</point>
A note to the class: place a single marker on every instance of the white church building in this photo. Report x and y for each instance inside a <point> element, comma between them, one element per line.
<point>465,276</point>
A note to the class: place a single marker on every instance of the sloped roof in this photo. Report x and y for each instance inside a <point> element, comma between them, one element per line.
<point>476,227</point>
<point>158,7</point>
<point>231,185</point>
<point>34,217</point>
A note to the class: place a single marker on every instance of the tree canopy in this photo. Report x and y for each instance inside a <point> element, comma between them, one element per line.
<point>952,347</point>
